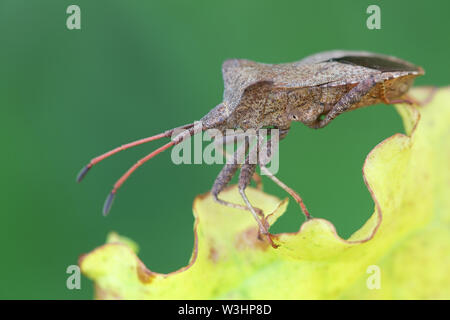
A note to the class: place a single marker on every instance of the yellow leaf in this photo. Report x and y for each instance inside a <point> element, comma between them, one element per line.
<point>401,252</point>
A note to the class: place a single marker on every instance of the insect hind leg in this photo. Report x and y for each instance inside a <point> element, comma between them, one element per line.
<point>347,101</point>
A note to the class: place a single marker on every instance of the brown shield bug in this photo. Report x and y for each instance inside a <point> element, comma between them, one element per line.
<point>313,91</point>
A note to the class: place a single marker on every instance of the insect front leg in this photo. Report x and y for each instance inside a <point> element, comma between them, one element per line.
<point>221,182</point>
<point>224,178</point>
<point>228,139</point>
<point>347,101</point>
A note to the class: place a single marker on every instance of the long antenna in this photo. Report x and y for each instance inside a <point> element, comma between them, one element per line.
<point>124,177</point>
<point>102,157</point>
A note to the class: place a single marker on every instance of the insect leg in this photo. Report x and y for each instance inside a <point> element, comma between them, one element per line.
<point>267,172</point>
<point>222,180</point>
<point>265,158</point>
<point>225,176</point>
<point>232,139</point>
<point>247,171</point>
<point>347,101</point>
<point>294,194</point>
<point>245,176</point>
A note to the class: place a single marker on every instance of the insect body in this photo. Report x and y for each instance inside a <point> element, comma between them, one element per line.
<point>313,91</point>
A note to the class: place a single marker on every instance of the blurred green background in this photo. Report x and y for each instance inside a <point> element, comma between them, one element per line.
<point>137,68</point>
